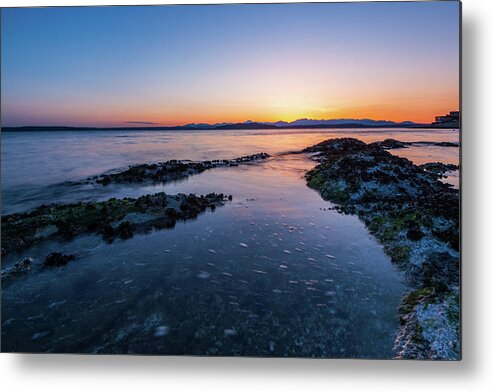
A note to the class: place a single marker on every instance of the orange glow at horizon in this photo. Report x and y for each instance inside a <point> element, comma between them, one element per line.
<point>173,66</point>
<point>421,112</point>
<point>259,97</point>
<point>418,108</point>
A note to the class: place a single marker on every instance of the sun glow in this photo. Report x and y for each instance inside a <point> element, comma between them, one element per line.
<point>282,64</point>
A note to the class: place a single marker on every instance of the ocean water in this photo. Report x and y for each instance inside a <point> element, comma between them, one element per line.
<point>274,272</point>
<point>34,164</point>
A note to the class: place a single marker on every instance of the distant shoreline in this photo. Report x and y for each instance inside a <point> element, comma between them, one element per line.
<point>216,128</point>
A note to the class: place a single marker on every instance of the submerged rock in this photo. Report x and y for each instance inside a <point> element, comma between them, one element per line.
<point>20,268</point>
<point>24,264</point>
<point>57,259</point>
<point>27,265</point>
<point>125,230</point>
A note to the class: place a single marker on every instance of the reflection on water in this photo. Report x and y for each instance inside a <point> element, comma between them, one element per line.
<point>276,272</point>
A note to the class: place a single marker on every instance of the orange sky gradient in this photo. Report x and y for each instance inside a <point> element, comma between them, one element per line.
<point>179,65</point>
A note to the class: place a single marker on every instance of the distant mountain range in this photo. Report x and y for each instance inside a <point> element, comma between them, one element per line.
<point>304,122</point>
<point>300,123</point>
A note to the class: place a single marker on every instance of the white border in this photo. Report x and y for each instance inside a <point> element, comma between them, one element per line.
<point>125,373</point>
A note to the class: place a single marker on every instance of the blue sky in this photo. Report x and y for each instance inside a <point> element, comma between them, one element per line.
<point>179,64</point>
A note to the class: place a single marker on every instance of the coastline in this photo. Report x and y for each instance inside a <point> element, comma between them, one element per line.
<point>416,218</point>
<point>436,290</point>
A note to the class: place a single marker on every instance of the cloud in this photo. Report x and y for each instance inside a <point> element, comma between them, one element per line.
<point>142,122</point>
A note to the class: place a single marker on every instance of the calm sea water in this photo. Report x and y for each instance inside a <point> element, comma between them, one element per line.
<point>273,273</point>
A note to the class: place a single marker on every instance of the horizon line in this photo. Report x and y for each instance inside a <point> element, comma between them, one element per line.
<point>133,124</point>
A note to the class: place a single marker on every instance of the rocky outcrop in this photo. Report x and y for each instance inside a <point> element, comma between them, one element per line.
<point>416,217</point>
<point>437,144</point>
<point>389,144</point>
<point>56,259</point>
<point>113,218</point>
<point>28,264</point>
<point>173,170</point>
<point>438,168</point>
<point>20,268</point>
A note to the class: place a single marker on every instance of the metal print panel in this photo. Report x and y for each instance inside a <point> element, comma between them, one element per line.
<point>268,180</point>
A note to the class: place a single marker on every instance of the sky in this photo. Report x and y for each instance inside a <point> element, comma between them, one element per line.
<point>174,65</point>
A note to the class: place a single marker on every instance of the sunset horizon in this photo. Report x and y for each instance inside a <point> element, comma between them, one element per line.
<point>321,61</point>
<point>170,124</point>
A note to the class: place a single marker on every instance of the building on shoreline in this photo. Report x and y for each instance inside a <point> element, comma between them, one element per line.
<point>451,120</point>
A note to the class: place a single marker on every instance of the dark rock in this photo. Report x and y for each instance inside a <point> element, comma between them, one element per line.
<point>107,231</point>
<point>24,264</point>
<point>439,168</point>
<point>171,213</point>
<point>414,234</point>
<point>388,144</point>
<point>438,144</point>
<point>66,228</point>
<point>105,180</point>
<point>337,145</point>
<point>172,170</point>
<point>57,259</point>
<point>125,230</point>
<point>439,270</point>
<point>20,268</point>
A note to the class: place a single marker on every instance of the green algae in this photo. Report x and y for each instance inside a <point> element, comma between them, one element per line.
<point>414,298</point>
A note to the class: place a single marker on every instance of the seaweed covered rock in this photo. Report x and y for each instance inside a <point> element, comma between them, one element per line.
<point>112,218</point>
<point>429,326</point>
<point>355,173</point>
<point>337,145</point>
<point>413,214</point>
<point>438,168</point>
<point>389,144</point>
<point>172,170</point>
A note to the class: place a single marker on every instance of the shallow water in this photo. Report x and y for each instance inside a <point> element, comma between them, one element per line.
<point>275,272</point>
